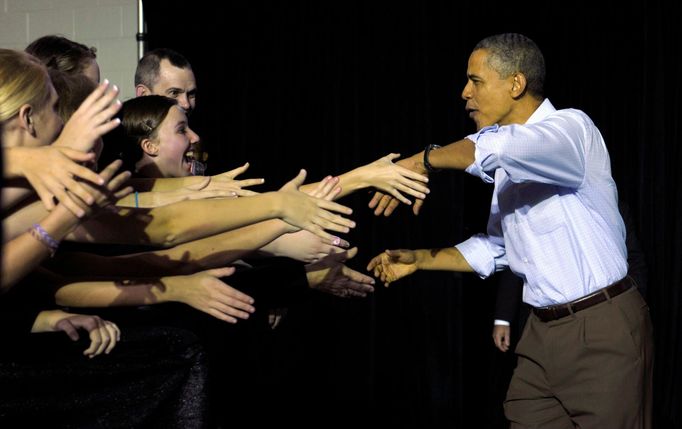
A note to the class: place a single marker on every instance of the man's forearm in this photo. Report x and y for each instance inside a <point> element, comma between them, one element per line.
<point>447,259</point>
<point>455,156</point>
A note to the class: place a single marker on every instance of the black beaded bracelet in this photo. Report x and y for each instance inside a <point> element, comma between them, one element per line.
<point>427,164</point>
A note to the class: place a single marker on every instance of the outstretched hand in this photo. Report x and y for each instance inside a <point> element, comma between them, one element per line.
<point>206,292</point>
<point>313,214</point>
<point>227,182</point>
<point>110,192</point>
<point>394,179</point>
<point>92,119</point>
<point>386,202</point>
<point>330,275</point>
<point>393,265</point>
<point>52,171</point>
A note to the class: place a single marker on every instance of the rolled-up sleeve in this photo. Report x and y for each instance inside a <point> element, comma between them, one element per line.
<point>483,254</point>
<point>550,152</point>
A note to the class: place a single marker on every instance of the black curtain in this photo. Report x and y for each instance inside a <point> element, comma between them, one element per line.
<point>332,85</point>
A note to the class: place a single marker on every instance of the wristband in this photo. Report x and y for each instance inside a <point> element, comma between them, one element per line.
<point>44,237</point>
<point>427,164</point>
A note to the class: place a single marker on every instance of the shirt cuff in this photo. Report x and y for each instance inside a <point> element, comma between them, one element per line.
<point>474,250</point>
<point>499,322</point>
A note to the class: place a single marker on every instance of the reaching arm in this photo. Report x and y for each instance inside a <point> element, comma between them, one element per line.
<point>393,265</point>
<point>24,253</point>
<point>26,250</point>
<point>210,252</point>
<point>223,182</point>
<point>458,155</point>
<point>190,220</point>
<point>103,334</point>
<point>203,291</point>
<point>49,171</point>
<point>385,175</point>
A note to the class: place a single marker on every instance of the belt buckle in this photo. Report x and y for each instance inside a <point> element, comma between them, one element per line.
<point>555,312</point>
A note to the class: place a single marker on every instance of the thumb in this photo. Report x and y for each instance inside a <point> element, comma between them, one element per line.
<point>395,254</point>
<point>350,254</point>
<point>299,179</point>
<point>392,156</point>
<point>221,272</point>
<point>77,155</point>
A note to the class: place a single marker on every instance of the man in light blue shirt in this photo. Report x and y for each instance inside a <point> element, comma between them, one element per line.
<point>586,354</point>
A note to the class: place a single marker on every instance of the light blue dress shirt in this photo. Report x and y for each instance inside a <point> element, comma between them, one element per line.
<point>554,218</point>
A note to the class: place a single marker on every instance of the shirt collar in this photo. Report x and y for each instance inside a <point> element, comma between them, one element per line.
<point>545,109</point>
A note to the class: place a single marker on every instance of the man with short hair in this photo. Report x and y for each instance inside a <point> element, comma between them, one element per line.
<point>166,72</point>
<point>585,357</point>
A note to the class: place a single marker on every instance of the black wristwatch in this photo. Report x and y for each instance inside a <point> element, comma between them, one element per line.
<point>427,164</point>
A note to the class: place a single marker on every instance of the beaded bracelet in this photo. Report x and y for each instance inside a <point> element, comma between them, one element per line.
<point>44,237</point>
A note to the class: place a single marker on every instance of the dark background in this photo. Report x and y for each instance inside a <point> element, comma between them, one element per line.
<point>331,85</point>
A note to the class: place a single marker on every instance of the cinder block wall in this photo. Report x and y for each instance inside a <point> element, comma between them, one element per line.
<point>108,25</point>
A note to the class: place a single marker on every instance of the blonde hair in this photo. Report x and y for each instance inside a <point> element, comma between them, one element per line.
<point>23,80</point>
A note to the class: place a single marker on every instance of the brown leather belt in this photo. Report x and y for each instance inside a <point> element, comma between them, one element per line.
<point>554,312</point>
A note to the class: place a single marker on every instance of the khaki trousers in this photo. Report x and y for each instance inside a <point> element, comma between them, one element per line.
<point>590,370</point>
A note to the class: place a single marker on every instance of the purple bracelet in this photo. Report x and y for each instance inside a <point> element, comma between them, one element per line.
<point>44,237</point>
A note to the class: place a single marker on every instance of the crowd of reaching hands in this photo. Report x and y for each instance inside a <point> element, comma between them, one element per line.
<point>88,176</point>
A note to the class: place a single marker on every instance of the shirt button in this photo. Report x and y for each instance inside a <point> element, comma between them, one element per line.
<point>525,260</point>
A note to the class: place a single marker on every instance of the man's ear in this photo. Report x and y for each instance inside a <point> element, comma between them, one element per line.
<point>141,90</point>
<point>150,147</point>
<point>518,85</point>
<point>26,119</point>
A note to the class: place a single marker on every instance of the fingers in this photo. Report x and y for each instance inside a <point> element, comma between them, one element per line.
<point>393,203</point>
<point>123,192</point>
<point>375,200</point>
<point>243,193</point>
<point>119,180</point>
<point>416,208</point>
<point>81,171</point>
<point>406,172</point>
<point>231,312</point>
<point>344,255</point>
<point>297,181</point>
<point>363,282</point>
<point>400,197</point>
<point>413,188</point>
<point>333,222</point>
<point>95,95</point>
<point>327,188</point>
<point>92,326</point>
<point>77,155</point>
<point>335,207</point>
<point>114,335</point>
<point>382,204</point>
<point>108,172</point>
<point>375,261</point>
<point>326,237</point>
<point>250,182</point>
<point>45,196</point>
<point>236,172</point>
